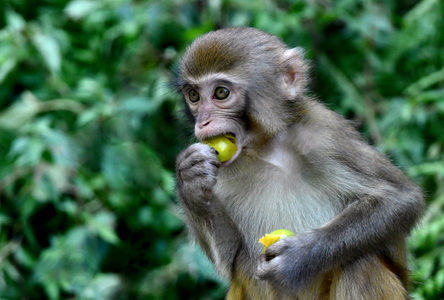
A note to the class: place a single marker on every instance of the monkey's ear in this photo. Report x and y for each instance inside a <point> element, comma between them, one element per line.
<point>294,71</point>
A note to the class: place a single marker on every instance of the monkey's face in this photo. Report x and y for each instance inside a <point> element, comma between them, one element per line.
<point>241,81</point>
<point>217,104</point>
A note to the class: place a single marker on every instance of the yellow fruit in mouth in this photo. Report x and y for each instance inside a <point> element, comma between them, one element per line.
<point>224,144</point>
<point>270,238</point>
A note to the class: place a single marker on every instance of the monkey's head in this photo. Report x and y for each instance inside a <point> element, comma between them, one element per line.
<point>239,81</point>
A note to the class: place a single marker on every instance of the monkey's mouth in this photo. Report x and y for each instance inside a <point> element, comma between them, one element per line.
<point>226,144</point>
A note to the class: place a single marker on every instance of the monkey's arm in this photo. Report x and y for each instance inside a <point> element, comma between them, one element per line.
<point>196,171</point>
<point>381,216</point>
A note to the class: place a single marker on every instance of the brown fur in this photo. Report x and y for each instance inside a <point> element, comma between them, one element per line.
<point>367,278</point>
<point>235,52</point>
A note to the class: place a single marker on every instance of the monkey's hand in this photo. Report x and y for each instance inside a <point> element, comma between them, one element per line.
<point>196,171</point>
<point>293,263</point>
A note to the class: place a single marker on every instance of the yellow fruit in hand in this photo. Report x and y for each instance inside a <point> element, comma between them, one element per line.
<point>224,144</point>
<point>272,237</point>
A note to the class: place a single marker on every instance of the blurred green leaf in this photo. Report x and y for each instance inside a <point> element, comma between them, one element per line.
<point>14,20</point>
<point>103,286</point>
<point>78,9</point>
<point>6,68</point>
<point>20,113</point>
<point>49,49</point>
<point>103,224</point>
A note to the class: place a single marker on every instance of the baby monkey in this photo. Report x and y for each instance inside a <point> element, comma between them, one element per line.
<point>298,166</point>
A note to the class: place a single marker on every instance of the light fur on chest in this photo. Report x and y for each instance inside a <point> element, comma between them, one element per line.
<point>266,197</point>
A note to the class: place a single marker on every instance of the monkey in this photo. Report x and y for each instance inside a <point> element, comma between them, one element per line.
<point>298,166</point>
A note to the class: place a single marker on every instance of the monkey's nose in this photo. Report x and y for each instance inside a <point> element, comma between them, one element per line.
<point>205,123</point>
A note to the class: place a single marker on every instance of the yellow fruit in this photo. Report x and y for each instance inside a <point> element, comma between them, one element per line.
<point>224,144</point>
<point>272,237</point>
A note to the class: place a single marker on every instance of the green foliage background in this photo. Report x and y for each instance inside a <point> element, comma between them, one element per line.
<point>89,131</point>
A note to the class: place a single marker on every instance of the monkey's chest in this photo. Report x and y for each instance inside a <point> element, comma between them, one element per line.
<point>265,199</point>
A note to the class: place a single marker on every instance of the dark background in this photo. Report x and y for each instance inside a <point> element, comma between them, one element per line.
<point>89,131</point>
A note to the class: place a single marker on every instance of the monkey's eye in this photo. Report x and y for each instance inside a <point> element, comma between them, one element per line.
<point>193,95</point>
<point>221,93</point>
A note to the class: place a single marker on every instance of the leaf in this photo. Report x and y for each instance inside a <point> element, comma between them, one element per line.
<point>62,104</point>
<point>87,116</point>
<point>425,82</point>
<point>419,11</point>
<point>103,286</point>
<point>24,257</point>
<point>48,48</point>
<point>78,9</point>
<point>431,168</point>
<point>4,219</point>
<point>14,20</point>
<point>52,290</point>
<point>26,151</point>
<point>431,96</point>
<point>11,271</point>
<point>20,112</point>
<point>6,68</point>
<point>103,224</point>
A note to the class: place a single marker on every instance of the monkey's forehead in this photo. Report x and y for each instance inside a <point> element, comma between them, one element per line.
<point>230,49</point>
<point>212,56</point>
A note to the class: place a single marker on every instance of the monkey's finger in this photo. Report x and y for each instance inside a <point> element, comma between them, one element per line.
<point>199,149</point>
<point>276,249</point>
<point>266,268</point>
<point>203,151</point>
<point>263,258</point>
<point>198,173</point>
<point>196,159</point>
<point>215,162</point>
<point>262,268</point>
<point>212,150</point>
<point>187,152</point>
